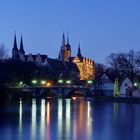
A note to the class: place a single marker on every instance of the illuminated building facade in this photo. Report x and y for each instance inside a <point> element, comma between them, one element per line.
<point>85,65</point>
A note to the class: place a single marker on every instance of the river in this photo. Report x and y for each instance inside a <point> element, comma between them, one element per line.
<point>67,119</point>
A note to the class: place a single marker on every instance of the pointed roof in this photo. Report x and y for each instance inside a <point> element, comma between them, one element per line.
<point>79,51</point>
<point>63,41</point>
<point>15,43</point>
<point>21,45</point>
<point>68,38</point>
<point>68,45</point>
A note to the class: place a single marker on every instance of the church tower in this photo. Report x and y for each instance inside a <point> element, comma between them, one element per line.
<point>63,50</point>
<point>79,51</point>
<point>68,48</point>
<point>21,50</point>
<point>15,51</point>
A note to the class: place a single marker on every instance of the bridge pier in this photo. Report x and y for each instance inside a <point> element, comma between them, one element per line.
<point>39,92</point>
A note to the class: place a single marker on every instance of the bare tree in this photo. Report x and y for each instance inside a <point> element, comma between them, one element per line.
<point>100,70</point>
<point>131,63</point>
<point>125,64</point>
<point>114,60</point>
<point>3,52</point>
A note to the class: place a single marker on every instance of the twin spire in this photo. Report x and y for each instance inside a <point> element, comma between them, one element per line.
<point>15,48</point>
<point>21,46</point>
<point>63,40</point>
<point>15,43</point>
<point>68,45</point>
<point>20,51</point>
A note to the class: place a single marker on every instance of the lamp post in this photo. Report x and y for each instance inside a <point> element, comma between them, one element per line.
<point>34,82</point>
<point>60,81</point>
<point>89,82</point>
<point>68,82</point>
<point>43,82</point>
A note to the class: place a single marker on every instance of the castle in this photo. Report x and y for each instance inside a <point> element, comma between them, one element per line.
<point>85,65</point>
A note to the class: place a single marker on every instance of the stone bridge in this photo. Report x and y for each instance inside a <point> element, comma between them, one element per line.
<point>56,91</point>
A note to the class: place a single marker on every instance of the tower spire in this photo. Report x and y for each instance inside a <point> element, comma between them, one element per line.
<point>63,40</point>
<point>79,51</point>
<point>15,52</point>
<point>67,37</point>
<point>21,47</point>
<point>15,43</point>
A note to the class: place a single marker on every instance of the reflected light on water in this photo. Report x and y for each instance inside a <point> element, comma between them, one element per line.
<point>115,110</point>
<point>48,130</point>
<point>82,124</point>
<point>33,119</point>
<point>65,119</point>
<point>42,119</point>
<point>68,117</point>
<point>60,121</point>
<point>89,120</point>
<point>81,114</point>
<point>48,113</point>
<point>20,117</point>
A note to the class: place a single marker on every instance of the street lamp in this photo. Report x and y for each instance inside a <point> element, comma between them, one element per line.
<point>68,82</point>
<point>89,82</point>
<point>60,81</point>
<point>34,82</point>
<point>20,83</point>
<point>43,82</point>
<point>135,84</point>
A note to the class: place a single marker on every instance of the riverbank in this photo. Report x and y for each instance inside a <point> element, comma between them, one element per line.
<point>7,95</point>
<point>119,99</point>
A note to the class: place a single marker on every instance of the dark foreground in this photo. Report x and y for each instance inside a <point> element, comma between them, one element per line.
<point>67,119</point>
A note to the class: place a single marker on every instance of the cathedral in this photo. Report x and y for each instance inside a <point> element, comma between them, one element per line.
<point>85,65</point>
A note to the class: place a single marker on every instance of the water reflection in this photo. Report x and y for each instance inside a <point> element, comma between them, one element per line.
<point>68,118</point>
<point>20,118</point>
<point>115,110</point>
<point>42,119</point>
<point>82,122</point>
<point>89,120</point>
<point>60,118</point>
<point>48,113</point>
<point>65,119</point>
<point>48,131</point>
<point>33,119</point>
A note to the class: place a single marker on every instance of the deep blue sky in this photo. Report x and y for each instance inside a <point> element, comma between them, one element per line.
<point>101,26</point>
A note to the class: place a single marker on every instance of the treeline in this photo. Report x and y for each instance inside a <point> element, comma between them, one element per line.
<point>12,72</point>
<point>121,65</point>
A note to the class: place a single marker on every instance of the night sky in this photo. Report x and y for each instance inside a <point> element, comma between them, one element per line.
<point>101,26</point>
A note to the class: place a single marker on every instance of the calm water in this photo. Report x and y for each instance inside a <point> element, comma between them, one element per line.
<point>66,119</point>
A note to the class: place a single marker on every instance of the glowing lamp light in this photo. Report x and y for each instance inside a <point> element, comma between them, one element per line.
<point>135,84</point>
<point>43,82</point>
<point>73,98</point>
<point>34,81</point>
<point>89,82</point>
<point>48,84</point>
<point>21,83</point>
<point>60,81</point>
<point>68,81</point>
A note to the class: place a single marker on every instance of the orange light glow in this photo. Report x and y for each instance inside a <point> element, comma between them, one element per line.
<point>48,113</point>
<point>73,98</point>
<point>48,84</point>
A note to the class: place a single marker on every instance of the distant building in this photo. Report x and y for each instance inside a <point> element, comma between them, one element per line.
<point>125,85</point>
<point>85,65</point>
<point>19,54</point>
<point>105,86</point>
<point>78,64</point>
